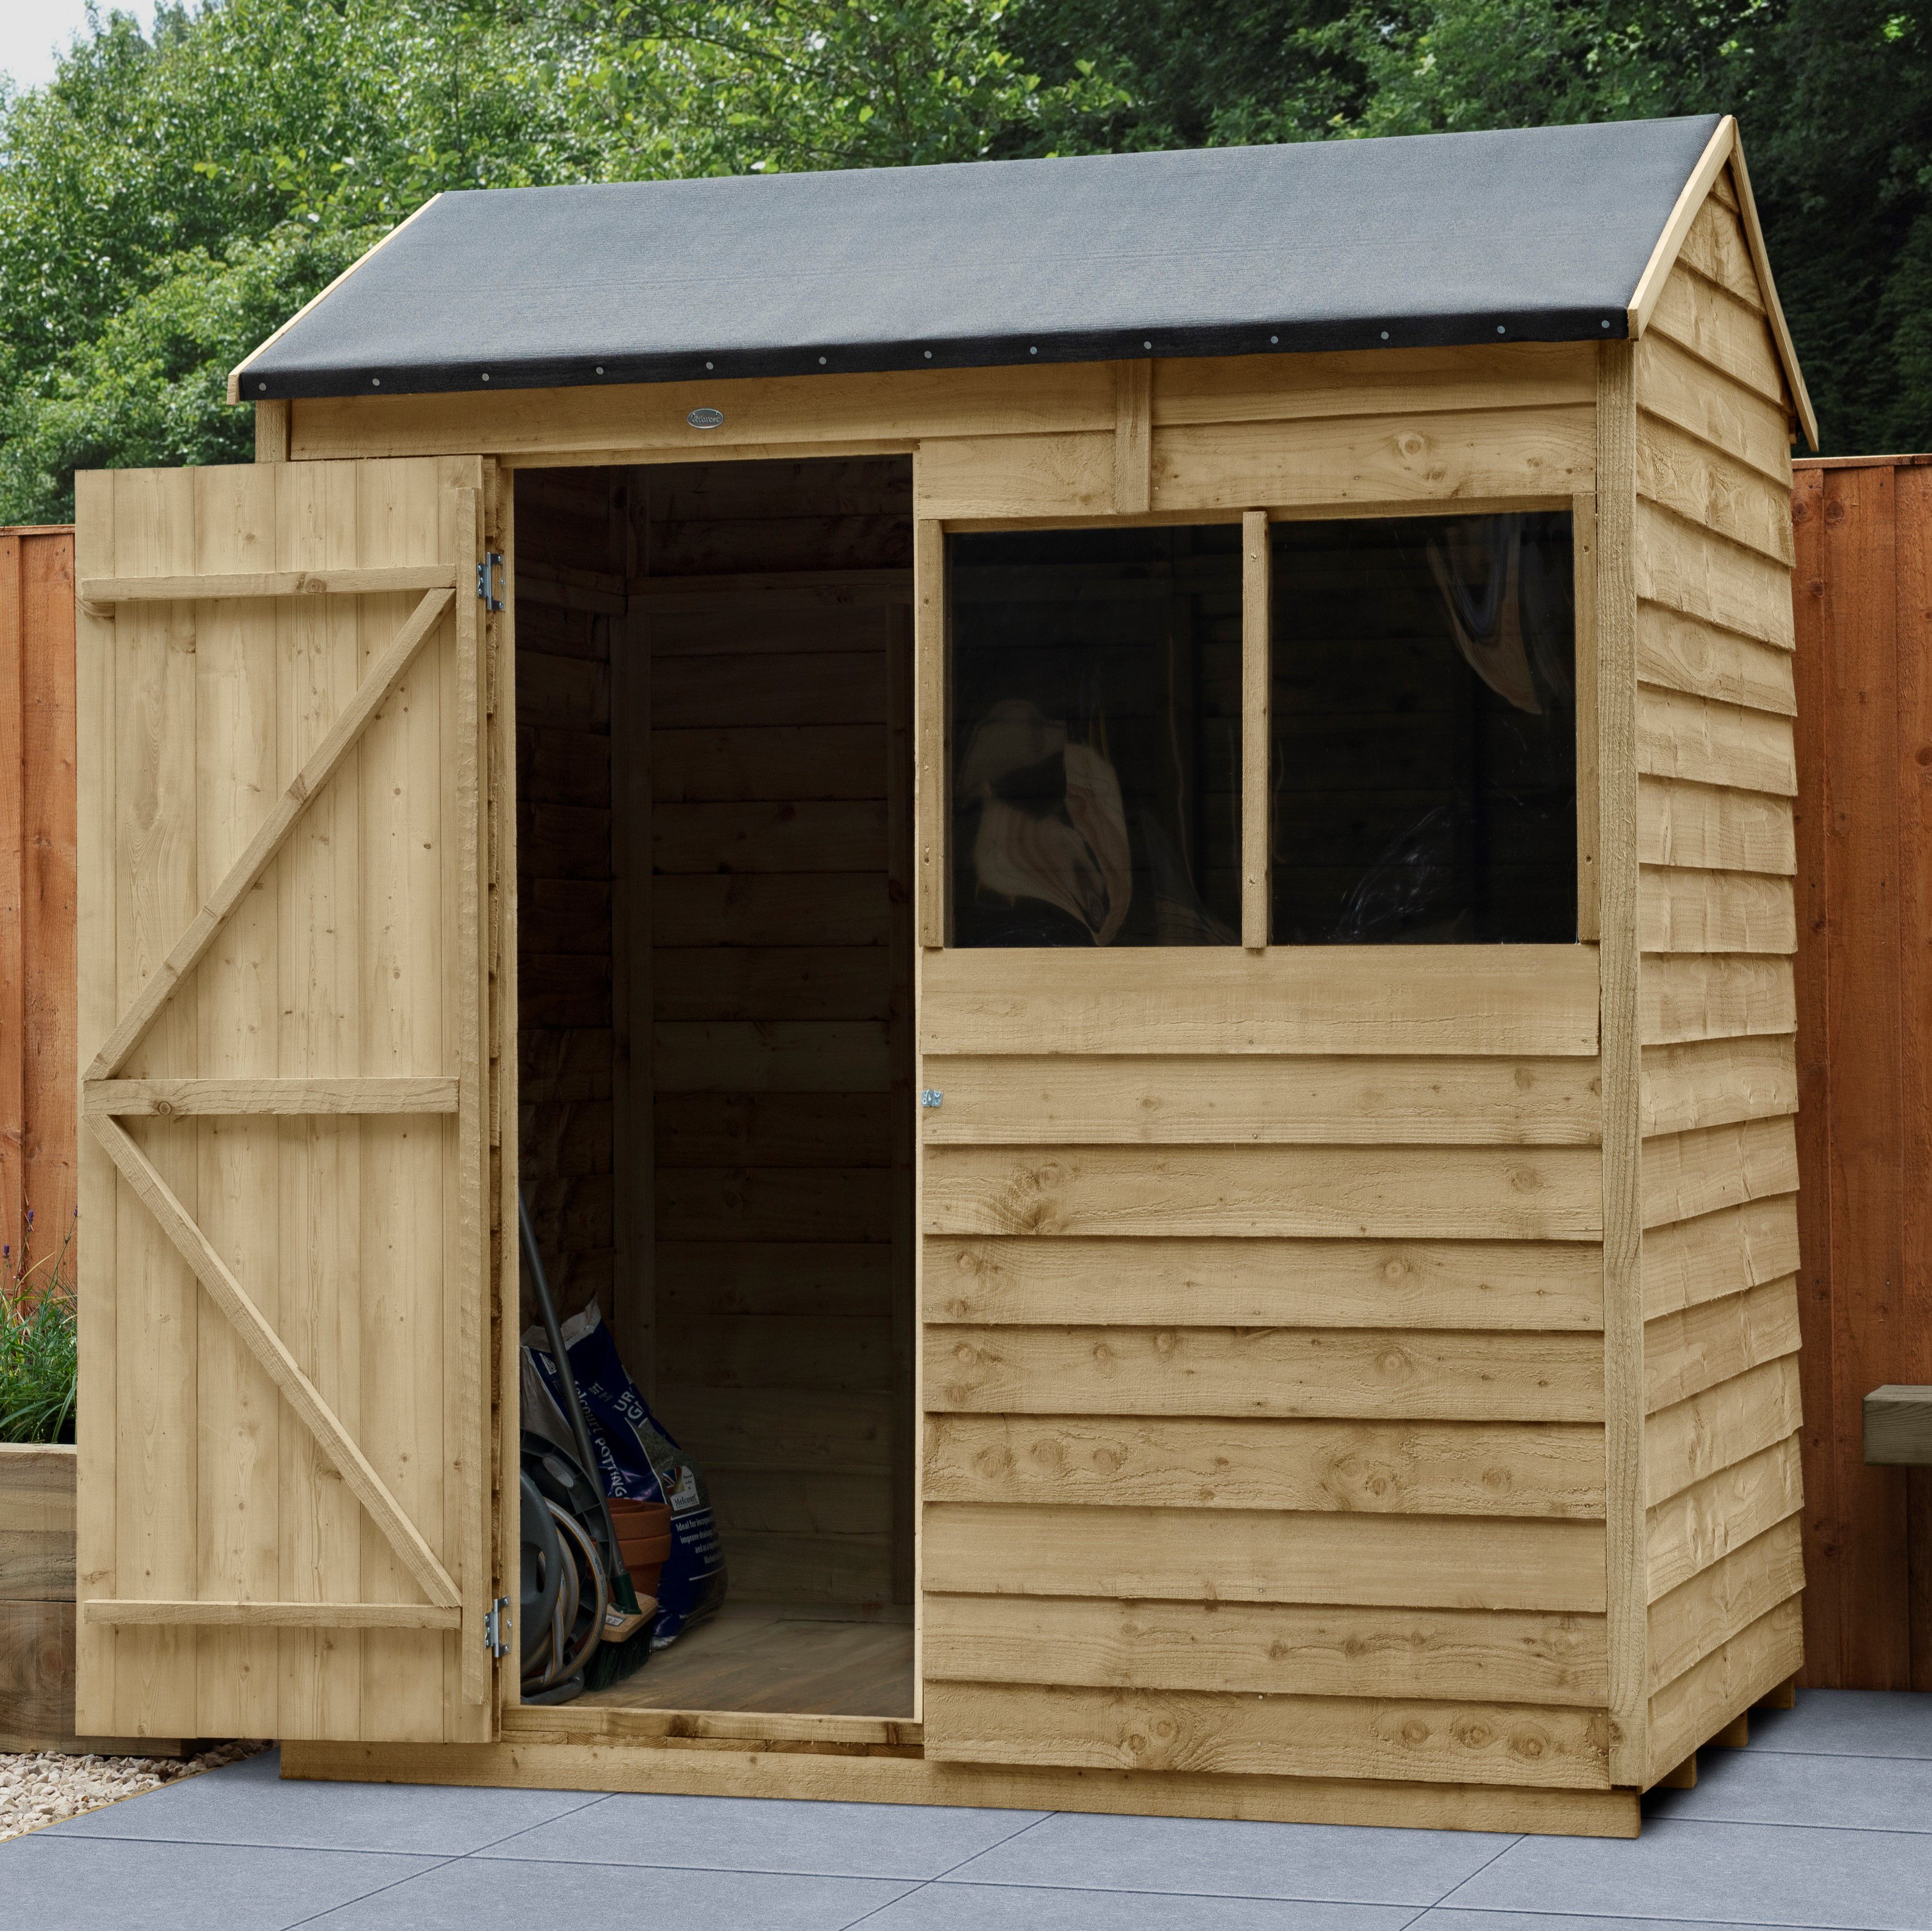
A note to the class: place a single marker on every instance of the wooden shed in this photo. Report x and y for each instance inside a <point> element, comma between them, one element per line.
<point>1110,842</point>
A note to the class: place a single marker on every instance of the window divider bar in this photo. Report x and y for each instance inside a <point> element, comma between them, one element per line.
<point>1583,538</point>
<point>930,777</point>
<point>1254,668</point>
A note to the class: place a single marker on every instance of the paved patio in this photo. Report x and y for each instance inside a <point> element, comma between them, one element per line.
<point>1825,1821</point>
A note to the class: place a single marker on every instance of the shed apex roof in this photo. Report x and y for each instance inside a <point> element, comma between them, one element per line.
<point>1542,234</point>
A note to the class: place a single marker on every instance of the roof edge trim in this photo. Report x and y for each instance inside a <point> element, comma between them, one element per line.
<point>1649,288</point>
<point>1727,147</point>
<point>240,369</point>
<point>1808,417</point>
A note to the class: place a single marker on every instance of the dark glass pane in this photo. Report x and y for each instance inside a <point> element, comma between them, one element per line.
<point>1423,756</point>
<point>1096,722</point>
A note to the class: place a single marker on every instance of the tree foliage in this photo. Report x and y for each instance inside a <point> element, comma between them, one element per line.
<point>166,202</point>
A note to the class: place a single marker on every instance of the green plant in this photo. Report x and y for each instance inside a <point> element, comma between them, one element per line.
<point>40,1357</point>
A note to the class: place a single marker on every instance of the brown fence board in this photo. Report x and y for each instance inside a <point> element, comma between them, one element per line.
<point>37,892</point>
<point>1913,548</point>
<point>1863,584</point>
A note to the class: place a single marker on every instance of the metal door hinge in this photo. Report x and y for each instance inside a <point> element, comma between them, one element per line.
<point>490,580</point>
<point>496,1627</point>
<point>930,1097</point>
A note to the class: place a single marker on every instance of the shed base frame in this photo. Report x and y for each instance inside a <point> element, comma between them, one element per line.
<point>696,1767</point>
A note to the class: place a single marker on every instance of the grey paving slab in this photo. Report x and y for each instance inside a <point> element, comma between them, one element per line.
<point>1761,1786</point>
<point>54,1883</point>
<point>900,1840</point>
<point>492,1894</point>
<point>1717,1874</point>
<point>247,1803</point>
<point>946,1906</point>
<point>1849,1723</point>
<point>1313,1862</point>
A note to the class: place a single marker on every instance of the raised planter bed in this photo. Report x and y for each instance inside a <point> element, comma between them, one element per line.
<point>37,1598</point>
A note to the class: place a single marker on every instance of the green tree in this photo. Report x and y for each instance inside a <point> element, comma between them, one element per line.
<point>1834,98</point>
<point>164,204</point>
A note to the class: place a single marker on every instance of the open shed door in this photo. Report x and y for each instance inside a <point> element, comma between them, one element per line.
<point>285,1467</point>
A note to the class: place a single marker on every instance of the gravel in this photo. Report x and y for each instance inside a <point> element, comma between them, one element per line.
<point>43,1788</point>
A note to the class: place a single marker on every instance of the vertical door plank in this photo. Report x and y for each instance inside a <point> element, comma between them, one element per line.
<point>505,1278</point>
<point>319,1208</point>
<point>1863,1019</point>
<point>234,1015</point>
<point>466,1459</point>
<point>1824,1606</point>
<point>403,1243</point>
<point>158,1529</point>
<point>97,817</point>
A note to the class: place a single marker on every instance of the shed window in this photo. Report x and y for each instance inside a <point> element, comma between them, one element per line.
<point>1095,716</point>
<point>1422,728</point>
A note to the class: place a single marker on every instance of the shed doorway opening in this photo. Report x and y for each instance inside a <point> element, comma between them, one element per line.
<point>715,1052</point>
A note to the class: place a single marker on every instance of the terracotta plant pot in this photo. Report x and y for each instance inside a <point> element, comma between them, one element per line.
<point>643,1539</point>
<point>644,1581</point>
<point>634,1519</point>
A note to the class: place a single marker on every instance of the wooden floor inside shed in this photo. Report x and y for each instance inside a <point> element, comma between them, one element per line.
<point>779,1658</point>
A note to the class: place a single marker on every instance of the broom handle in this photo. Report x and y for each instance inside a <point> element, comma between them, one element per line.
<point>580,1422</point>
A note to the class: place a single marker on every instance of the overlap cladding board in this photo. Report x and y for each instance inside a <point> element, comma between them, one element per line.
<point>1717,778</point>
<point>1264,1370</point>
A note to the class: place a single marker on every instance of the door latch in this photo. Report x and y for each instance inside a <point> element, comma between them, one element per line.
<point>490,580</point>
<point>496,1627</point>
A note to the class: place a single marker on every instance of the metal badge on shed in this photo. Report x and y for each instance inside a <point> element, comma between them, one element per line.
<point>706,419</point>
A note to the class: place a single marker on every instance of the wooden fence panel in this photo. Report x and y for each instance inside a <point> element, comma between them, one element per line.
<point>37,880</point>
<point>1863,597</point>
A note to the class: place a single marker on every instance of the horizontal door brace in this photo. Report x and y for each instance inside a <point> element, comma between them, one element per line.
<point>131,1098</point>
<point>275,1615</point>
<point>268,584</point>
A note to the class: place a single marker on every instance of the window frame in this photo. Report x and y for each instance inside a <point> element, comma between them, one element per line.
<point>932,686</point>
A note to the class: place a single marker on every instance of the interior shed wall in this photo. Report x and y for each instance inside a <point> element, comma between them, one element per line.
<point>713,694</point>
<point>775,599</point>
<point>570,599</point>
<point>1718,926</point>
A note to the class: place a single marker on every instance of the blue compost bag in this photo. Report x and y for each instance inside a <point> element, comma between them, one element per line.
<point>639,1461</point>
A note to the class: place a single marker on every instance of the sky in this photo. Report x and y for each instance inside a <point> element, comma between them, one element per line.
<point>30,29</point>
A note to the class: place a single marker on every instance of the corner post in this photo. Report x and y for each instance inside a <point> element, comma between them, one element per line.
<point>1625,1551</point>
<point>272,431</point>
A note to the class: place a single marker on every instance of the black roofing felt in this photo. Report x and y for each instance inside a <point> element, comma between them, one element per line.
<point>1539,234</point>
